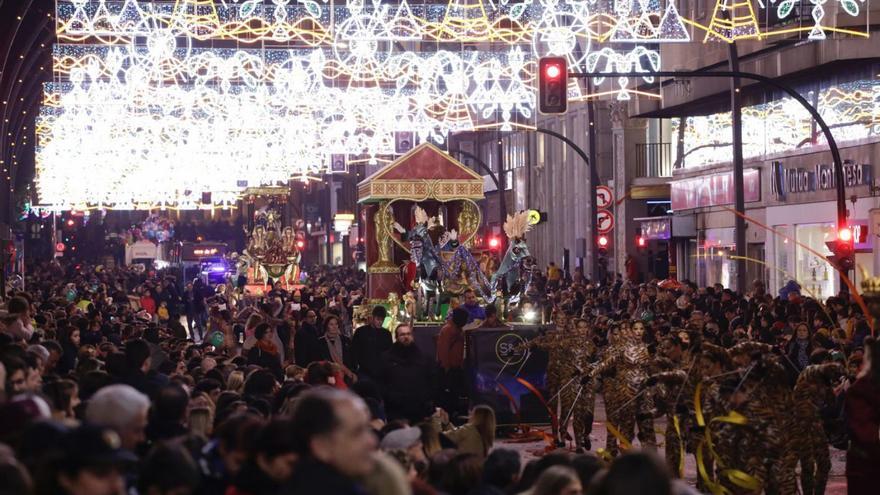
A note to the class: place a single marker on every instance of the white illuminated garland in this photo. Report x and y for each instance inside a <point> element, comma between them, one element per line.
<point>157,102</point>
<point>850,109</point>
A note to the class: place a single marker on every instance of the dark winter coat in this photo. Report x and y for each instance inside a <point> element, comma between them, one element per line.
<point>408,380</point>
<point>367,346</point>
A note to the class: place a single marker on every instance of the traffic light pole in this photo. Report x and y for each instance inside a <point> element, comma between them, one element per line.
<point>594,182</point>
<point>738,185</point>
<point>839,180</point>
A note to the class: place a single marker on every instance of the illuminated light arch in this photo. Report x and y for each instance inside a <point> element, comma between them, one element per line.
<point>184,96</point>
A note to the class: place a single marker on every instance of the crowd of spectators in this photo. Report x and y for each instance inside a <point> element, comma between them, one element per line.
<point>118,381</point>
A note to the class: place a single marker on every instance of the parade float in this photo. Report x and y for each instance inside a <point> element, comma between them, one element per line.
<point>272,253</point>
<point>422,218</point>
<point>147,242</point>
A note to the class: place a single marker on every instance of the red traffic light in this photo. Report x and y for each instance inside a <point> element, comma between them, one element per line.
<point>641,242</point>
<point>552,71</point>
<point>300,244</point>
<point>71,222</point>
<point>603,241</point>
<point>494,242</point>
<point>552,85</point>
<point>843,250</point>
<point>60,247</point>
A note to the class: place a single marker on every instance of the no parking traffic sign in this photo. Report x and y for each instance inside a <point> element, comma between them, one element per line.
<point>604,197</point>
<point>604,221</point>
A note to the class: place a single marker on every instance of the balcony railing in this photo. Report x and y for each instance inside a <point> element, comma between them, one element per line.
<point>654,160</point>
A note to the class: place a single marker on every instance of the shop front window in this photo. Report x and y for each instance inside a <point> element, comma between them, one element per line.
<point>714,265</point>
<point>784,269</point>
<point>813,272</point>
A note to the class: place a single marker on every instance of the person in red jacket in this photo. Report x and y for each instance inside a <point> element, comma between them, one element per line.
<point>148,302</point>
<point>450,355</point>
<point>863,422</point>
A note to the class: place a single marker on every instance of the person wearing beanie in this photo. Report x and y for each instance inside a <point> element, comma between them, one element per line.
<point>368,344</point>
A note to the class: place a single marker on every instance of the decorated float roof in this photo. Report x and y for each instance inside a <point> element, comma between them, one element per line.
<point>426,172</point>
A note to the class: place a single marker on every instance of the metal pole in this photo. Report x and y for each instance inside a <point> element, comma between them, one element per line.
<point>502,214</point>
<point>594,180</point>
<point>826,131</point>
<point>738,185</point>
<point>594,183</point>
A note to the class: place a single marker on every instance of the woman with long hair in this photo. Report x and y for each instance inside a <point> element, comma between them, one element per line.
<point>477,436</point>
<point>863,422</point>
<point>254,320</point>
<point>800,347</point>
<point>69,338</point>
<point>336,348</point>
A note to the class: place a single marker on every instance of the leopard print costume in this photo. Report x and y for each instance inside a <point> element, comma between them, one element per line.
<point>665,393</point>
<point>624,366</point>
<point>560,370</point>
<point>770,447</point>
<point>579,399</point>
<point>812,391</point>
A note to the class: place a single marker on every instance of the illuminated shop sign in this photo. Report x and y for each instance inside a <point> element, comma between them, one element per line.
<point>820,178</point>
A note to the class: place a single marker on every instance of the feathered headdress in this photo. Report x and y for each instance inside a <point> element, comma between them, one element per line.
<point>421,216</point>
<point>517,225</point>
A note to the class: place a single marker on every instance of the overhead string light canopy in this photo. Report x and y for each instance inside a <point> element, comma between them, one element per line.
<point>155,103</point>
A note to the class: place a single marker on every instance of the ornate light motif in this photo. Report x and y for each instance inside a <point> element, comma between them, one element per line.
<point>157,102</point>
<point>782,125</point>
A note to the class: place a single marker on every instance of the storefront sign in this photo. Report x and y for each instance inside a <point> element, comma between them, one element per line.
<point>853,175</point>
<point>798,180</point>
<point>820,178</point>
<point>713,190</point>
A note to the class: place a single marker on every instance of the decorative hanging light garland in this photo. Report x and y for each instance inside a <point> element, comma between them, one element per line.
<point>155,103</point>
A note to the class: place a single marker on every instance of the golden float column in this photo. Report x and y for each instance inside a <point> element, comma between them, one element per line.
<point>382,273</point>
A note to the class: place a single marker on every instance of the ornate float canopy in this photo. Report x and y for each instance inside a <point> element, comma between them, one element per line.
<point>424,173</point>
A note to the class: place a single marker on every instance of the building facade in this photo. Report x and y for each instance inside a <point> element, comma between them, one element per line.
<point>789,182</point>
<point>668,162</point>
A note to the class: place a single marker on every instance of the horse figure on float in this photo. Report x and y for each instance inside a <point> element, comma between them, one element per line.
<point>429,264</point>
<point>431,269</point>
<point>517,260</point>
